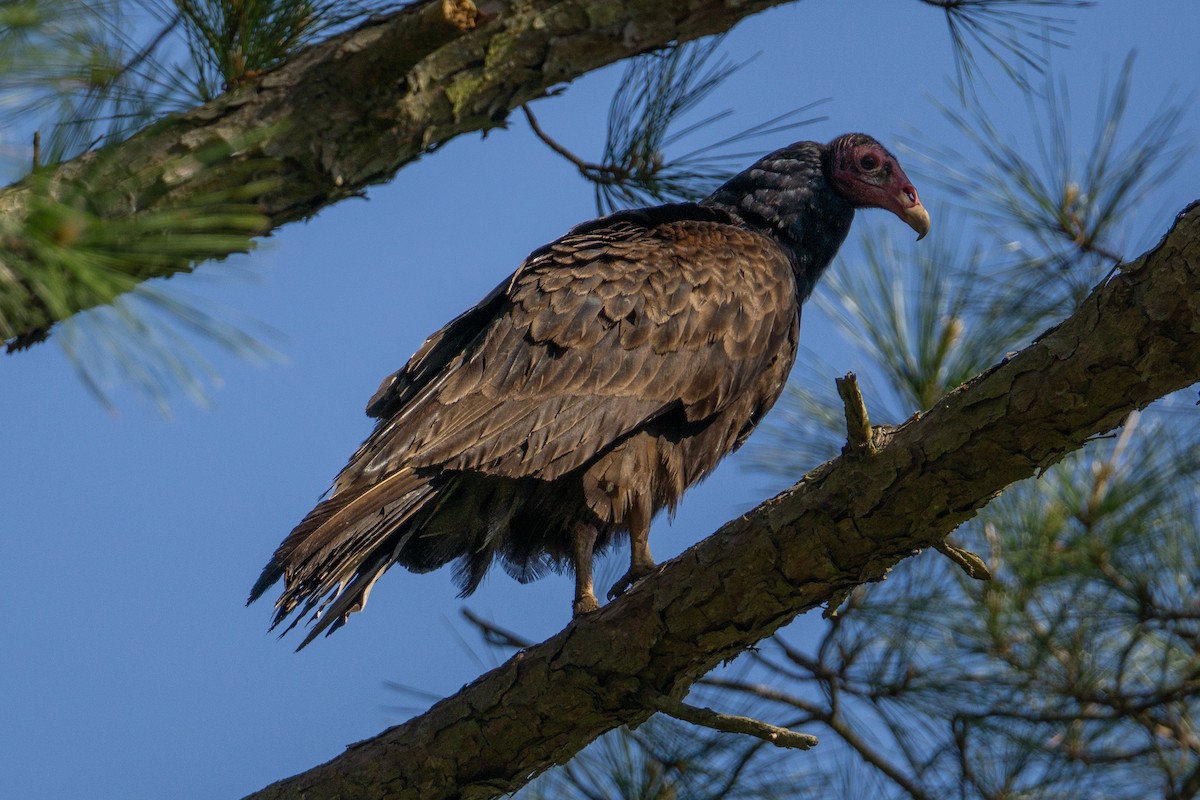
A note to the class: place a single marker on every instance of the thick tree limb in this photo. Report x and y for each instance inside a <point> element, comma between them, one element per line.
<point>1134,339</point>
<point>351,111</point>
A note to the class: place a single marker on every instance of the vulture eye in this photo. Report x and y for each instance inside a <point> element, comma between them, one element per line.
<point>868,162</point>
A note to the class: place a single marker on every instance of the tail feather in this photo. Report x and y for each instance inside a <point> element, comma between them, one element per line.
<point>330,561</point>
<point>349,599</point>
<point>282,557</point>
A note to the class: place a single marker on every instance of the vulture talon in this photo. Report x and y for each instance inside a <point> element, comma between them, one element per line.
<point>627,582</point>
<point>620,587</point>
<point>614,369</point>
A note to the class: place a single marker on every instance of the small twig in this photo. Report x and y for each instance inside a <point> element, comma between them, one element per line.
<point>493,634</point>
<point>968,562</point>
<point>858,424</point>
<point>707,718</point>
<point>598,173</point>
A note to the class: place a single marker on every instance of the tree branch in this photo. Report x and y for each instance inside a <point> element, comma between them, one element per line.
<point>858,423</point>
<point>748,726</point>
<point>1133,340</point>
<point>599,173</point>
<point>397,87</point>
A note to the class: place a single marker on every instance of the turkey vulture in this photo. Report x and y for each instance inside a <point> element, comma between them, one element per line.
<point>611,371</point>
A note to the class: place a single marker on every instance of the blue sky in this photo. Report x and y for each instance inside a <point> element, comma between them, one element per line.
<point>129,666</point>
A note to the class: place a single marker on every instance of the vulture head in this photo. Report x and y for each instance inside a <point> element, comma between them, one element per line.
<point>867,175</point>
<point>805,195</point>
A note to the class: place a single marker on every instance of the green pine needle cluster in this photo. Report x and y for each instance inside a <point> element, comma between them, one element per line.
<point>1065,205</point>
<point>1014,35</point>
<point>646,126</point>
<point>71,252</point>
<point>233,41</point>
<point>77,78</point>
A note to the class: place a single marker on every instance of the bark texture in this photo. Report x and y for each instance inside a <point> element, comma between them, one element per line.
<point>351,111</point>
<point>848,522</point>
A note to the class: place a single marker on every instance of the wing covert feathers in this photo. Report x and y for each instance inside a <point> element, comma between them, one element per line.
<point>594,336</point>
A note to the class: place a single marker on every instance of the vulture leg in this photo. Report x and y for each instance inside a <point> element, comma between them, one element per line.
<point>641,563</point>
<point>583,544</point>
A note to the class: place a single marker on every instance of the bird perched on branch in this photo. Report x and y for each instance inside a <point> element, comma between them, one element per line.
<point>587,391</point>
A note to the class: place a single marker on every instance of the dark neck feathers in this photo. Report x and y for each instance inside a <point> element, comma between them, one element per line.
<point>787,196</point>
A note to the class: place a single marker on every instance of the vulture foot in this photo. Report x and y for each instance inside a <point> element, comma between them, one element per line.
<point>586,605</point>
<point>626,582</point>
